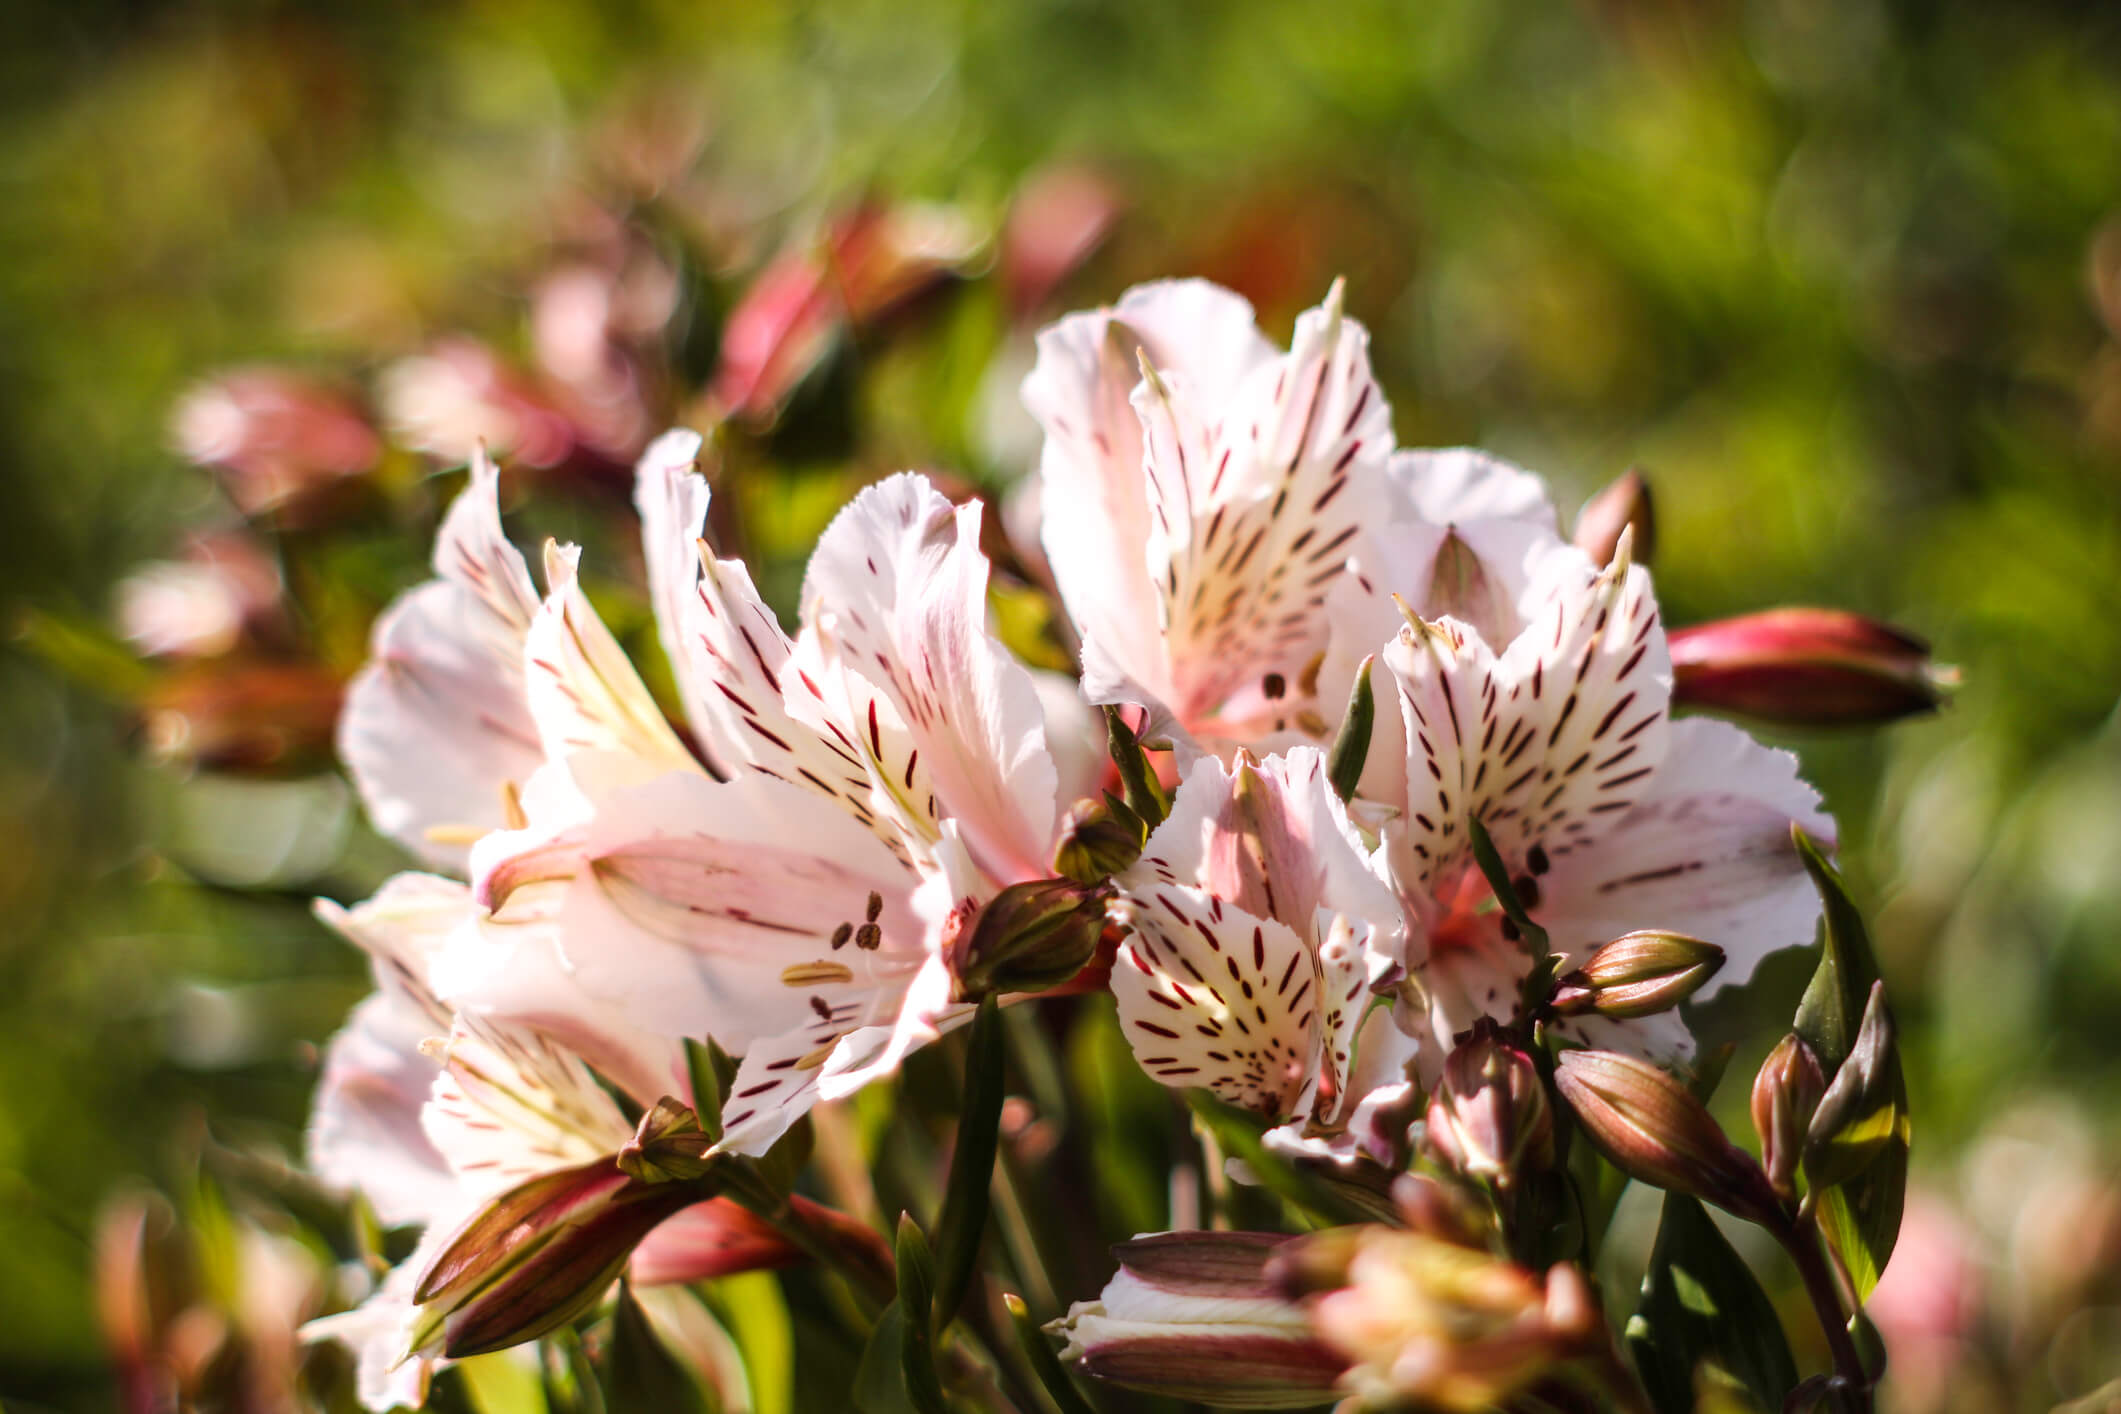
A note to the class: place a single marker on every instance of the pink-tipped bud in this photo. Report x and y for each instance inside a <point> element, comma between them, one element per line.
<point>1806,667</point>
<point>1640,974</point>
<point>537,1256</point>
<point>1785,1094</point>
<point>1489,1118</point>
<point>1655,1131</point>
<point>1623,505</point>
<point>1197,1316</point>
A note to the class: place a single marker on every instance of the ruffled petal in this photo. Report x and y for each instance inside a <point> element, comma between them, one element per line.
<point>1705,851</point>
<point>1256,510</point>
<point>895,602</point>
<point>1095,523</point>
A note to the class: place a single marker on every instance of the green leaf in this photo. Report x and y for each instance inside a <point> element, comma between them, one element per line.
<point>1351,748</point>
<point>1144,796</point>
<point>964,1215</point>
<point>916,1298</point>
<point>639,1373</point>
<point>1240,1139</point>
<point>754,1309</point>
<point>1861,1217</point>
<point>712,1069</point>
<point>1701,1303</point>
<point>880,1383</point>
<point>1038,1352</point>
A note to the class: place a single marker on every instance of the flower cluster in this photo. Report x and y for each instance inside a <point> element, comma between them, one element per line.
<point>1396,812</point>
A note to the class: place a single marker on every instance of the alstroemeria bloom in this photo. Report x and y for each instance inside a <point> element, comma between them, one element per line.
<point>1203,491</point>
<point>885,772</point>
<point>1608,815</point>
<point>1258,928</point>
<point>428,1110</point>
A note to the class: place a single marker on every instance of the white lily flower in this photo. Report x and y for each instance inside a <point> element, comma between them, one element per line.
<point>1258,930</point>
<point>1608,815</point>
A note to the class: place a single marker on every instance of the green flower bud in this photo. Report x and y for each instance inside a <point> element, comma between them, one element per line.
<point>1029,937</point>
<point>1640,974</point>
<point>1785,1094</point>
<point>1654,1130</point>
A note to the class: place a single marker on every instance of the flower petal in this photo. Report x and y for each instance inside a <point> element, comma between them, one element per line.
<point>896,597</point>
<point>436,726</point>
<point>584,694</point>
<point>1096,510</point>
<point>1254,524</point>
<point>1215,997</point>
<point>1705,851</point>
<point>510,1103</point>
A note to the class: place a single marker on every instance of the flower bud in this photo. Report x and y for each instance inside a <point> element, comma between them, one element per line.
<point>669,1145</point>
<point>1435,1325</point>
<point>1195,1315</point>
<point>1489,1116</point>
<point>1099,838</point>
<point>1785,1093</point>
<point>1655,1131</point>
<point>1640,974</point>
<point>1029,937</point>
<point>1805,667</point>
<point>1862,1109</point>
<point>1623,505</point>
<point>537,1256</point>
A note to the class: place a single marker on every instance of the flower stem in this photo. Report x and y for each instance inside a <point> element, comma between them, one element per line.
<point>1800,1238</point>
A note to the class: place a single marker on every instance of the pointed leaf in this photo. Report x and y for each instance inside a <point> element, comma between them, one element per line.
<point>639,1373</point>
<point>1861,1218</point>
<point>916,1298</point>
<point>1351,749</point>
<point>711,1070</point>
<point>964,1215</point>
<point>1701,1303</point>
<point>1044,1363</point>
<point>1143,794</point>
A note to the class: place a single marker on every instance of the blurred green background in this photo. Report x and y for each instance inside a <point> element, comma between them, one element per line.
<point>1843,276</point>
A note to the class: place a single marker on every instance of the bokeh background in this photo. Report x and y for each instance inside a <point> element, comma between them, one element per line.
<point>1843,276</point>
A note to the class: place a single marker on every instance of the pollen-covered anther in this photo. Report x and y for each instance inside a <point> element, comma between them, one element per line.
<point>809,974</point>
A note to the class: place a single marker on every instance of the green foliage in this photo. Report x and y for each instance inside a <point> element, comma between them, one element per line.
<point>1700,1304</point>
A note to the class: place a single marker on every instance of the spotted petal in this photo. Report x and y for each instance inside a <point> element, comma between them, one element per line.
<point>1705,850</point>
<point>1254,521</point>
<point>686,900</point>
<point>511,1103</point>
<point>1095,517</point>
<point>1211,996</point>
<point>436,726</point>
<point>895,602</point>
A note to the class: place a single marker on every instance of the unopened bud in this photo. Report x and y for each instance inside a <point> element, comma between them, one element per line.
<point>1861,1111</point>
<point>1785,1094</point>
<point>1640,974</point>
<point>1654,1130</point>
<point>1099,838</point>
<point>669,1145</point>
<point>537,1256</point>
<point>1029,937</point>
<point>1489,1117</point>
<point>1624,504</point>
<point>1806,667</point>
<point>1197,1316</point>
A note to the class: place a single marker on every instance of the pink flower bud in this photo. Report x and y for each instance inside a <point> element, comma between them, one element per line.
<point>1640,974</point>
<point>1622,505</point>
<point>272,437</point>
<point>1806,667</point>
<point>1655,1131</point>
<point>1785,1093</point>
<point>1489,1116</point>
<point>1195,1315</point>
<point>536,1257</point>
